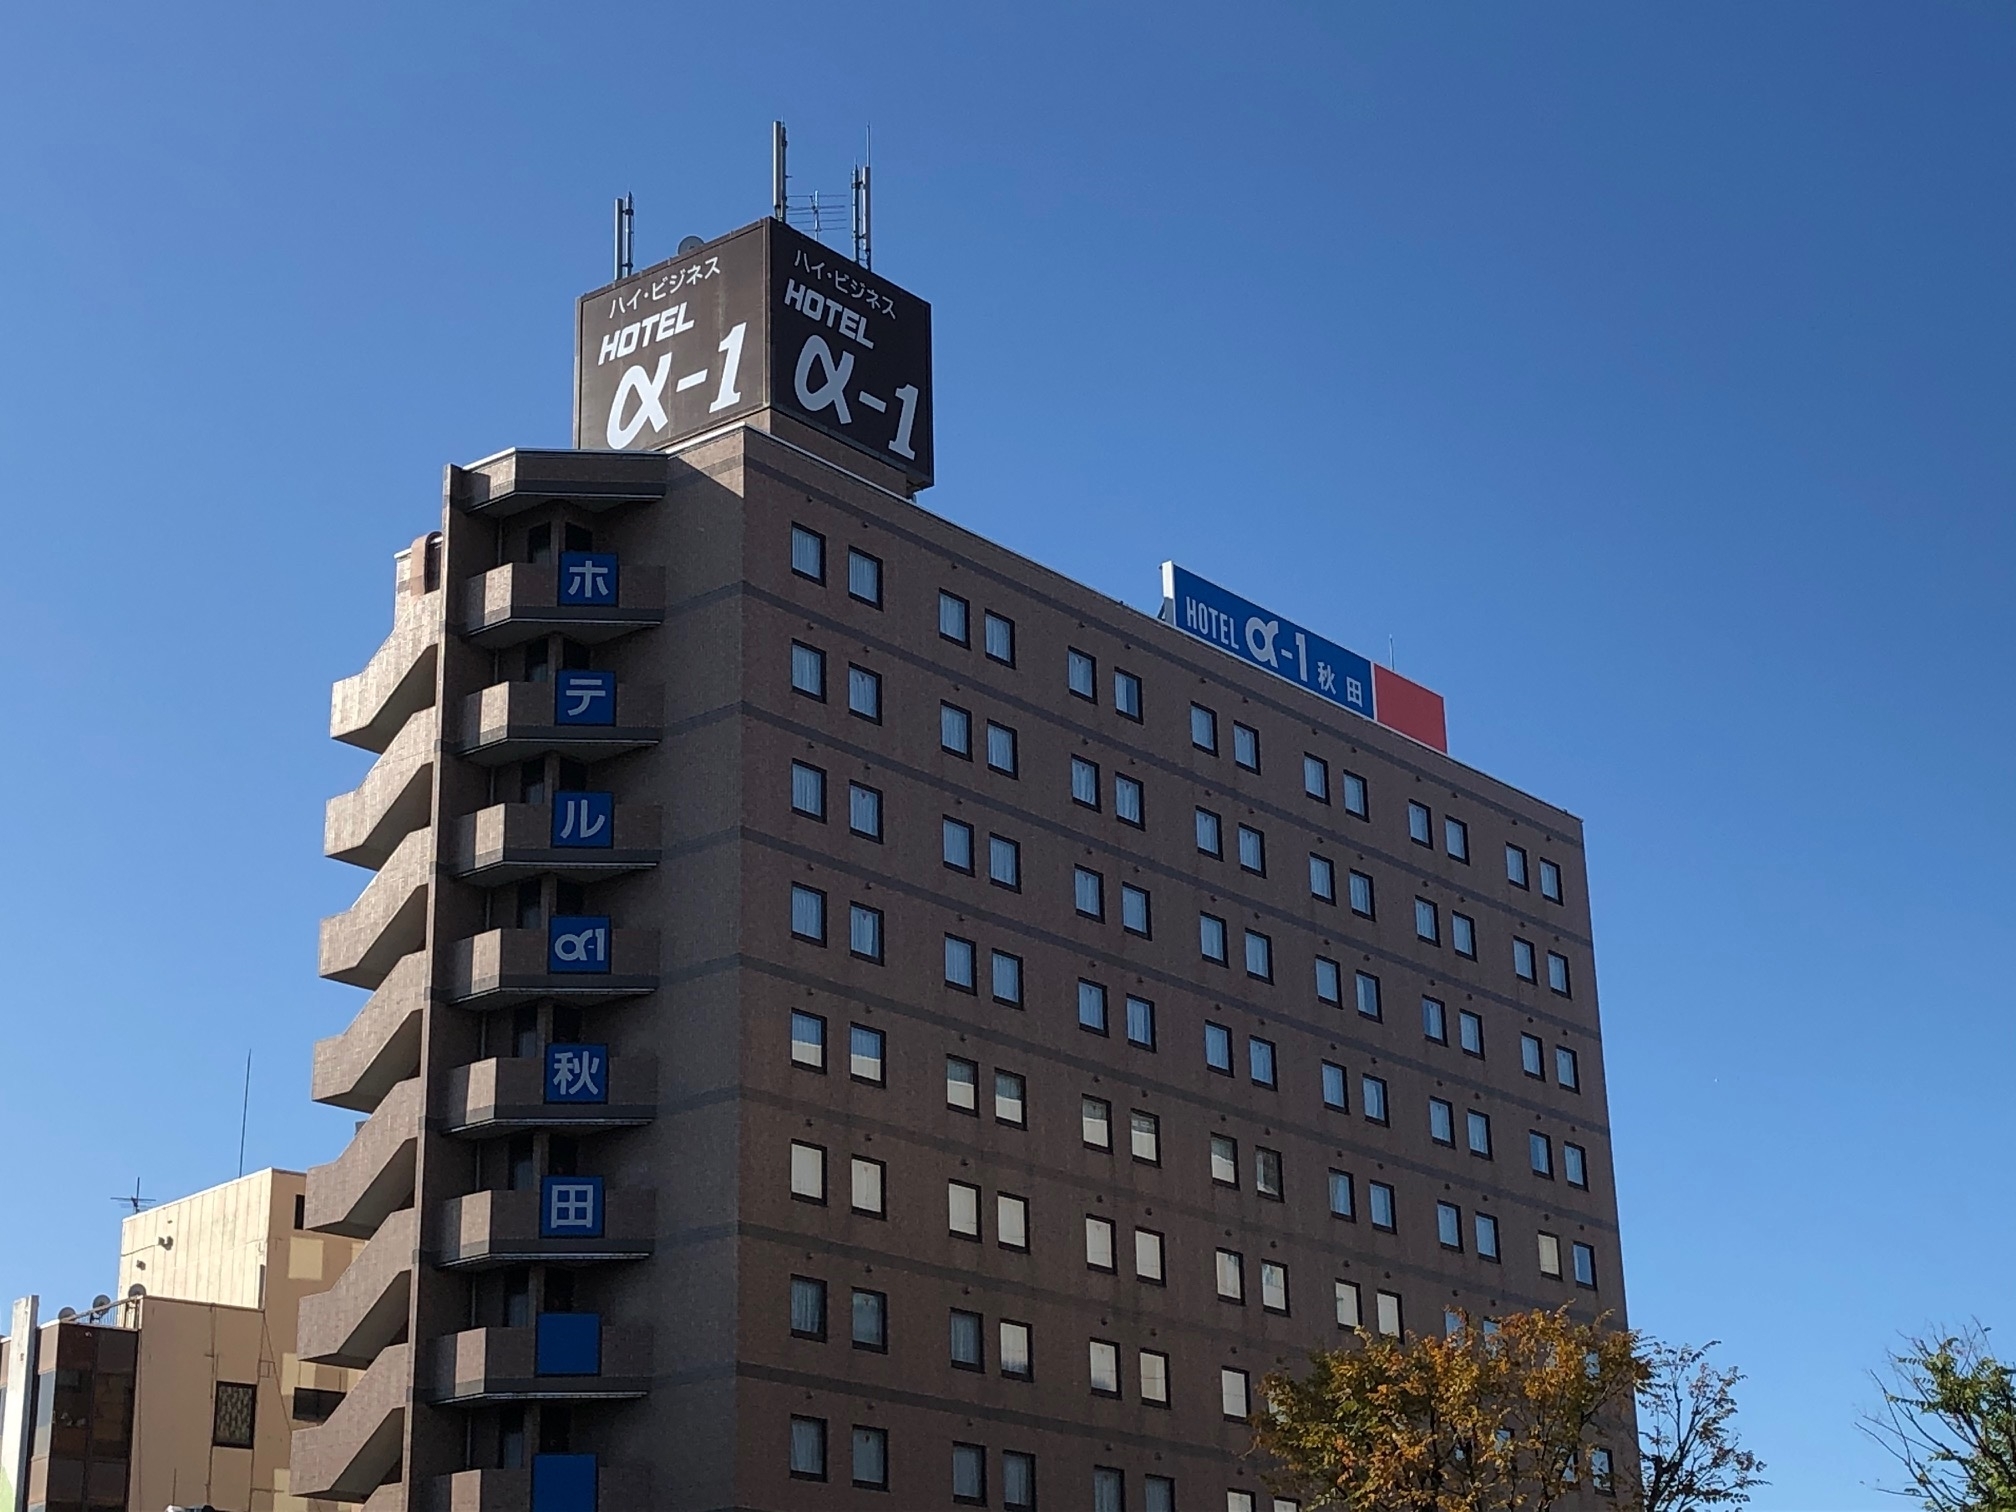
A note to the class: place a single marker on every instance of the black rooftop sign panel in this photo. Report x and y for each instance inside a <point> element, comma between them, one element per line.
<point>762,317</point>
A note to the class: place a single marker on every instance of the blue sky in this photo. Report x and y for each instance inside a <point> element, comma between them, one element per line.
<point>1644,373</point>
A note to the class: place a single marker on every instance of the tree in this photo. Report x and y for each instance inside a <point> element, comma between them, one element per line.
<point>1687,1451</point>
<point>1488,1419</point>
<point>1949,1419</point>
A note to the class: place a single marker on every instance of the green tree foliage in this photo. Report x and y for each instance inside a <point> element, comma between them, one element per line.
<point>1949,1420</point>
<point>1688,1456</point>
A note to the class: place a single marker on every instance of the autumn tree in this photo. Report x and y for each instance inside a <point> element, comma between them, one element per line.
<point>1949,1420</point>
<point>1510,1417</point>
<point>1689,1459</point>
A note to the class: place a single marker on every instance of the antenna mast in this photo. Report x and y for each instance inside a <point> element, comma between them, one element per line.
<point>864,224</point>
<point>626,223</point>
<point>779,203</point>
<point>244,1114</point>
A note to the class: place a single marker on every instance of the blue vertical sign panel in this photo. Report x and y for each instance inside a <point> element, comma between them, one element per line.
<point>584,820</point>
<point>577,942</point>
<point>563,1483</point>
<point>570,1207</point>
<point>1286,649</point>
<point>588,577</point>
<point>577,1073</point>
<point>568,1344</point>
<point>584,698</point>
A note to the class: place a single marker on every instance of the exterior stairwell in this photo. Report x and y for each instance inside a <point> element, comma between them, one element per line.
<point>381,1048</point>
<point>368,709</point>
<point>357,1191</point>
<point>365,825</point>
<point>349,1457</point>
<point>362,944</point>
<point>356,1319</point>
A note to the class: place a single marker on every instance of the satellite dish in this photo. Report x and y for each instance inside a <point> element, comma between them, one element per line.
<point>100,1302</point>
<point>690,244</point>
<point>136,1290</point>
<point>65,1314</point>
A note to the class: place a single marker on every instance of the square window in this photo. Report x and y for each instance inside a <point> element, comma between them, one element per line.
<point>1273,1286</point>
<point>1001,748</point>
<point>1357,797</point>
<point>1442,1121</point>
<point>1011,1221</point>
<point>1259,956</point>
<point>962,1209</point>
<point>1427,923</point>
<point>871,1458</point>
<point>1260,1061</point>
<point>1127,695</point>
<point>962,1084</point>
<point>808,1041</point>
<point>1084,782</point>
<point>1209,834</point>
<point>1211,937</point>
<point>870,1320</point>
<point>808,1448</point>
<point>864,693</point>
<point>1128,806</point>
<point>1105,1368</point>
<point>864,577</point>
<point>1420,824</point>
<point>1478,1128</point>
<point>1329,981</point>
<point>1515,866</point>
<point>1485,1227</point>
<point>1550,1255</point>
<point>1585,1264</point>
<point>1000,636</point>
<point>1246,746</point>
<point>1463,935</point>
<point>1566,1071</point>
<point>1145,1137</point>
<point>1335,1094</point>
<point>959,957</point>
<point>864,931</point>
<point>1316,778</point>
<point>1252,850</point>
<point>954,618</point>
<point>958,846</point>
<point>865,1053</point>
<point>808,1308</point>
<point>808,790</point>
<point>1434,1020</point>
<point>1348,1314</point>
<point>1557,973</point>
<point>1134,910</point>
<point>1225,1160</point>
<point>1231,1272</point>
<point>1099,1243</point>
<point>1456,839</point>
<point>1011,1093</point>
<point>1141,1023</point>
<point>1361,895</point>
<point>808,553</point>
<point>866,1186</point>
<point>808,1172</point>
<point>1147,1255</point>
<point>1015,1356</point>
<point>808,670</point>
<point>969,1475</point>
<point>1341,1203</point>
<point>1154,1378</point>
<point>1088,892</point>
<point>1540,1154</point>
<point>1522,960</point>
<point>1470,1032</point>
<point>1091,1007</point>
<point>1081,675</point>
<point>1531,1052</point>
<point>1004,862</point>
<point>808,913</point>
<point>1575,1165</point>
<point>1203,729</point>
<point>1372,1098</point>
<point>1380,1196</point>
<point>955,730</point>
<point>1267,1173</point>
<point>864,811</point>
<point>1095,1122</point>
<point>1007,973</point>
<point>1322,878</point>
<point>1218,1048</point>
<point>1449,1225</point>
<point>1368,994</point>
<point>1550,881</point>
<point>1233,1394</point>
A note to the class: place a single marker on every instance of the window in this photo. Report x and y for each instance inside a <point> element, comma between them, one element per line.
<point>808,1308</point>
<point>1099,1243</point>
<point>1127,695</point>
<point>1322,878</point>
<point>808,790</point>
<point>1218,1048</point>
<point>1145,1137</point>
<point>232,1414</point>
<point>1334,1094</point>
<point>1456,838</point>
<point>1095,1122</point>
<point>1209,834</point>
<point>1141,1023</point>
<point>1515,866</point>
<point>958,846</point>
<point>1540,1154</point>
<point>1134,917</point>
<point>1329,980</point>
<point>1007,971</point>
<point>1267,1173</point>
<point>1463,935</point>
<point>1252,850</point>
<point>864,577</point>
<point>1427,922</point>
<point>1486,1229</point>
<point>1420,824</point>
<point>1211,937</point>
<point>1001,748</point>
<point>1246,746</point>
<point>1004,862</point>
<point>1153,1374</point>
<point>1015,1356</point>
<point>808,913</point>
<point>1233,1395</point>
<point>1372,1098</point>
<point>1601,1477</point>
<point>808,553</point>
<point>1316,778</point>
<point>1575,1165</point>
<point>1478,1131</point>
<point>1081,675</point>
<point>1361,895</point>
<point>959,956</point>
<point>962,1084</point>
<point>1231,1271</point>
<point>969,1475</point>
<point>1522,960</point>
<point>1239,1501</point>
<point>1273,1286</point>
<point>864,811</point>
<point>1084,782</point>
<point>1092,1007</point>
<point>864,931</point>
<point>1128,806</point>
<point>871,1320</point>
<point>999,633</point>
<point>1550,881</point>
<point>1348,1314</point>
<point>962,1209</point>
<point>1470,1032</point>
<point>955,730</point>
<point>867,1186</point>
<point>1260,1061</point>
<point>871,1458</point>
<point>1380,1196</point>
<point>1104,1359</point>
<point>1011,1098</point>
<point>1368,995</point>
<point>1387,1305</point>
<point>1203,729</point>
<point>864,1053</point>
<point>1259,956</point>
<point>1011,1221</point>
<point>1434,1020</point>
<point>1449,1225</point>
<point>808,670</point>
<point>1341,1203</point>
<point>954,617</point>
<point>1357,798</point>
<point>1566,1070</point>
<point>1557,973</point>
<point>1018,1481</point>
<point>808,1172</point>
<point>1530,1056</point>
<point>1442,1122</point>
<point>808,1041</point>
<point>1550,1255</point>
<point>808,1448</point>
<point>1225,1160</point>
<point>864,693</point>
<point>1584,1256</point>
<point>1147,1255</point>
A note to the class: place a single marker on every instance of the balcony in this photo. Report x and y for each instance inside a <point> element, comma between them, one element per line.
<point>505,1096</point>
<point>365,825</point>
<point>525,1364</point>
<point>505,967</point>
<point>502,1228</point>
<point>348,1457</point>
<point>619,1488</point>
<point>519,600</point>
<point>508,841</point>
<point>512,721</point>
<point>381,1048</point>
<point>398,682</point>
<point>514,481</point>
<point>388,921</point>
<point>358,1317</point>
<point>358,1190</point>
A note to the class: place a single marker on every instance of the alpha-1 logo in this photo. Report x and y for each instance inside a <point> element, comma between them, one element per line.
<point>646,387</point>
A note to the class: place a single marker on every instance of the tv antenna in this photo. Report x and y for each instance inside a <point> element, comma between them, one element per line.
<point>626,228</point>
<point>136,1201</point>
<point>816,211</point>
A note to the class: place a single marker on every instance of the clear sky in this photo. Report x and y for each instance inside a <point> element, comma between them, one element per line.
<point>1644,373</point>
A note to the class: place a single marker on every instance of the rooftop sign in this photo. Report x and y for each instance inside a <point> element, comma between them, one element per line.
<point>763,318</point>
<point>1266,640</point>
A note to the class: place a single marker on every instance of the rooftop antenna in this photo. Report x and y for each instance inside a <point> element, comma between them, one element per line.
<point>136,1201</point>
<point>626,225</point>
<point>780,205</point>
<point>864,226</point>
<point>244,1112</point>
